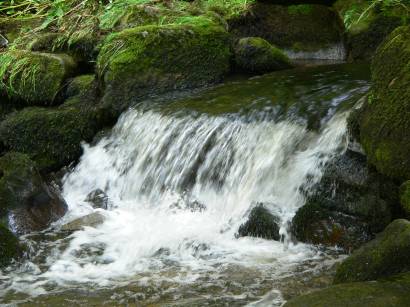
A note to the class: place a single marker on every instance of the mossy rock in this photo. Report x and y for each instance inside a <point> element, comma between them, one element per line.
<point>261,224</point>
<point>394,291</point>
<point>256,55</point>
<point>368,24</point>
<point>9,246</point>
<point>80,85</point>
<point>51,136</point>
<point>405,198</point>
<point>11,28</point>
<point>84,49</point>
<point>299,28</point>
<point>384,119</point>
<point>27,202</point>
<point>297,2</point>
<point>386,255</point>
<point>154,59</point>
<point>34,78</point>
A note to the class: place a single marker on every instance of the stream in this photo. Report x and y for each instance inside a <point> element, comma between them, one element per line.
<point>181,175</point>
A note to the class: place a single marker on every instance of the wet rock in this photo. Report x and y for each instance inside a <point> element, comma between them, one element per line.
<point>9,246</point>
<point>256,55</point>
<point>98,199</point>
<point>185,203</point>
<point>384,119</point>
<point>26,201</point>
<point>314,32</point>
<point>394,291</point>
<point>34,78</point>
<point>386,255</point>
<point>91,220</point>
<point>148,60</point>
<point>348,206</point>
<point>261,223</point>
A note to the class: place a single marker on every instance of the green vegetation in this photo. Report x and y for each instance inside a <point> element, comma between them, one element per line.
<point>32,77</point>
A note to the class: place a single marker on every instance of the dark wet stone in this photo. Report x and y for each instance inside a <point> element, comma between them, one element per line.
<point>261,223</point>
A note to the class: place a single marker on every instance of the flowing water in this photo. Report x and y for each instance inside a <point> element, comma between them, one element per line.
<point>182,175</point>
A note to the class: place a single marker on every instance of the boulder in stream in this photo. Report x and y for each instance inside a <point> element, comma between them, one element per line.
<point>384,120</point>
<point>154,59</point>
<point>26,200</point>
<point>261,223</point>
<point>91,220</point>
<point>98,199</point>
<point>348,206</point>
<point>256,55</point>
<point>386,255</point>
<point>302,31</point>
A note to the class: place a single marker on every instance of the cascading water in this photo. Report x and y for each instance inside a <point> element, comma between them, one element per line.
<point>180,184</point>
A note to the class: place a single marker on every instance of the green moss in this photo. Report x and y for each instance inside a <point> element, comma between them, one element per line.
<point>34,78</point>
<point>80,85</point>
<point>309,27</point>
<point>300,9</point>
<point>256,55</point>
<point>384,256</point>
<point>392,292</point>
<point>17,171</point>
<point>9,246</point>
<point>50,136</point>
<point>153,59</point>
<point>385,123</point>
<point>405,198</point>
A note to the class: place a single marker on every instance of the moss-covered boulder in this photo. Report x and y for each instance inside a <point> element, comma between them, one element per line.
<point>303,31</point>
<point>256,55</point>
<point>405,198</point>
<point>394,291</point>
<point>83,48</point>
<point>153,59</point>
<point>80,85</point>
<point>9,246</point>
<point>26,201</point>
<point>348,206</point>
<point>384,120</point>
<point>261,223</point>
<point>52,137</point>
<point>34,78</point>
<point>386,255</point>
<point>368,24</point>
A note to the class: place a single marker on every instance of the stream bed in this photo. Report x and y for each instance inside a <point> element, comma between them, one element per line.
<point>180,176</point>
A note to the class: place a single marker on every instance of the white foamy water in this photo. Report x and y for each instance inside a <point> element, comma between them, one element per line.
<point>153,166</point>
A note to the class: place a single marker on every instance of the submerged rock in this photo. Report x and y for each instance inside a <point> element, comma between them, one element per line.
<point>394,291</point>
<point>256,55</point>
<point>91,220</point>
<point>27,202</point>
<point>384,120</point>
<point>9,246</point>
<point>261,224</point>
<point>148,60</point>
<point>98,199</point>
<point>304,31</point>
<point>34,78</point>
<point>349,205</point>
<point>386,255</point>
